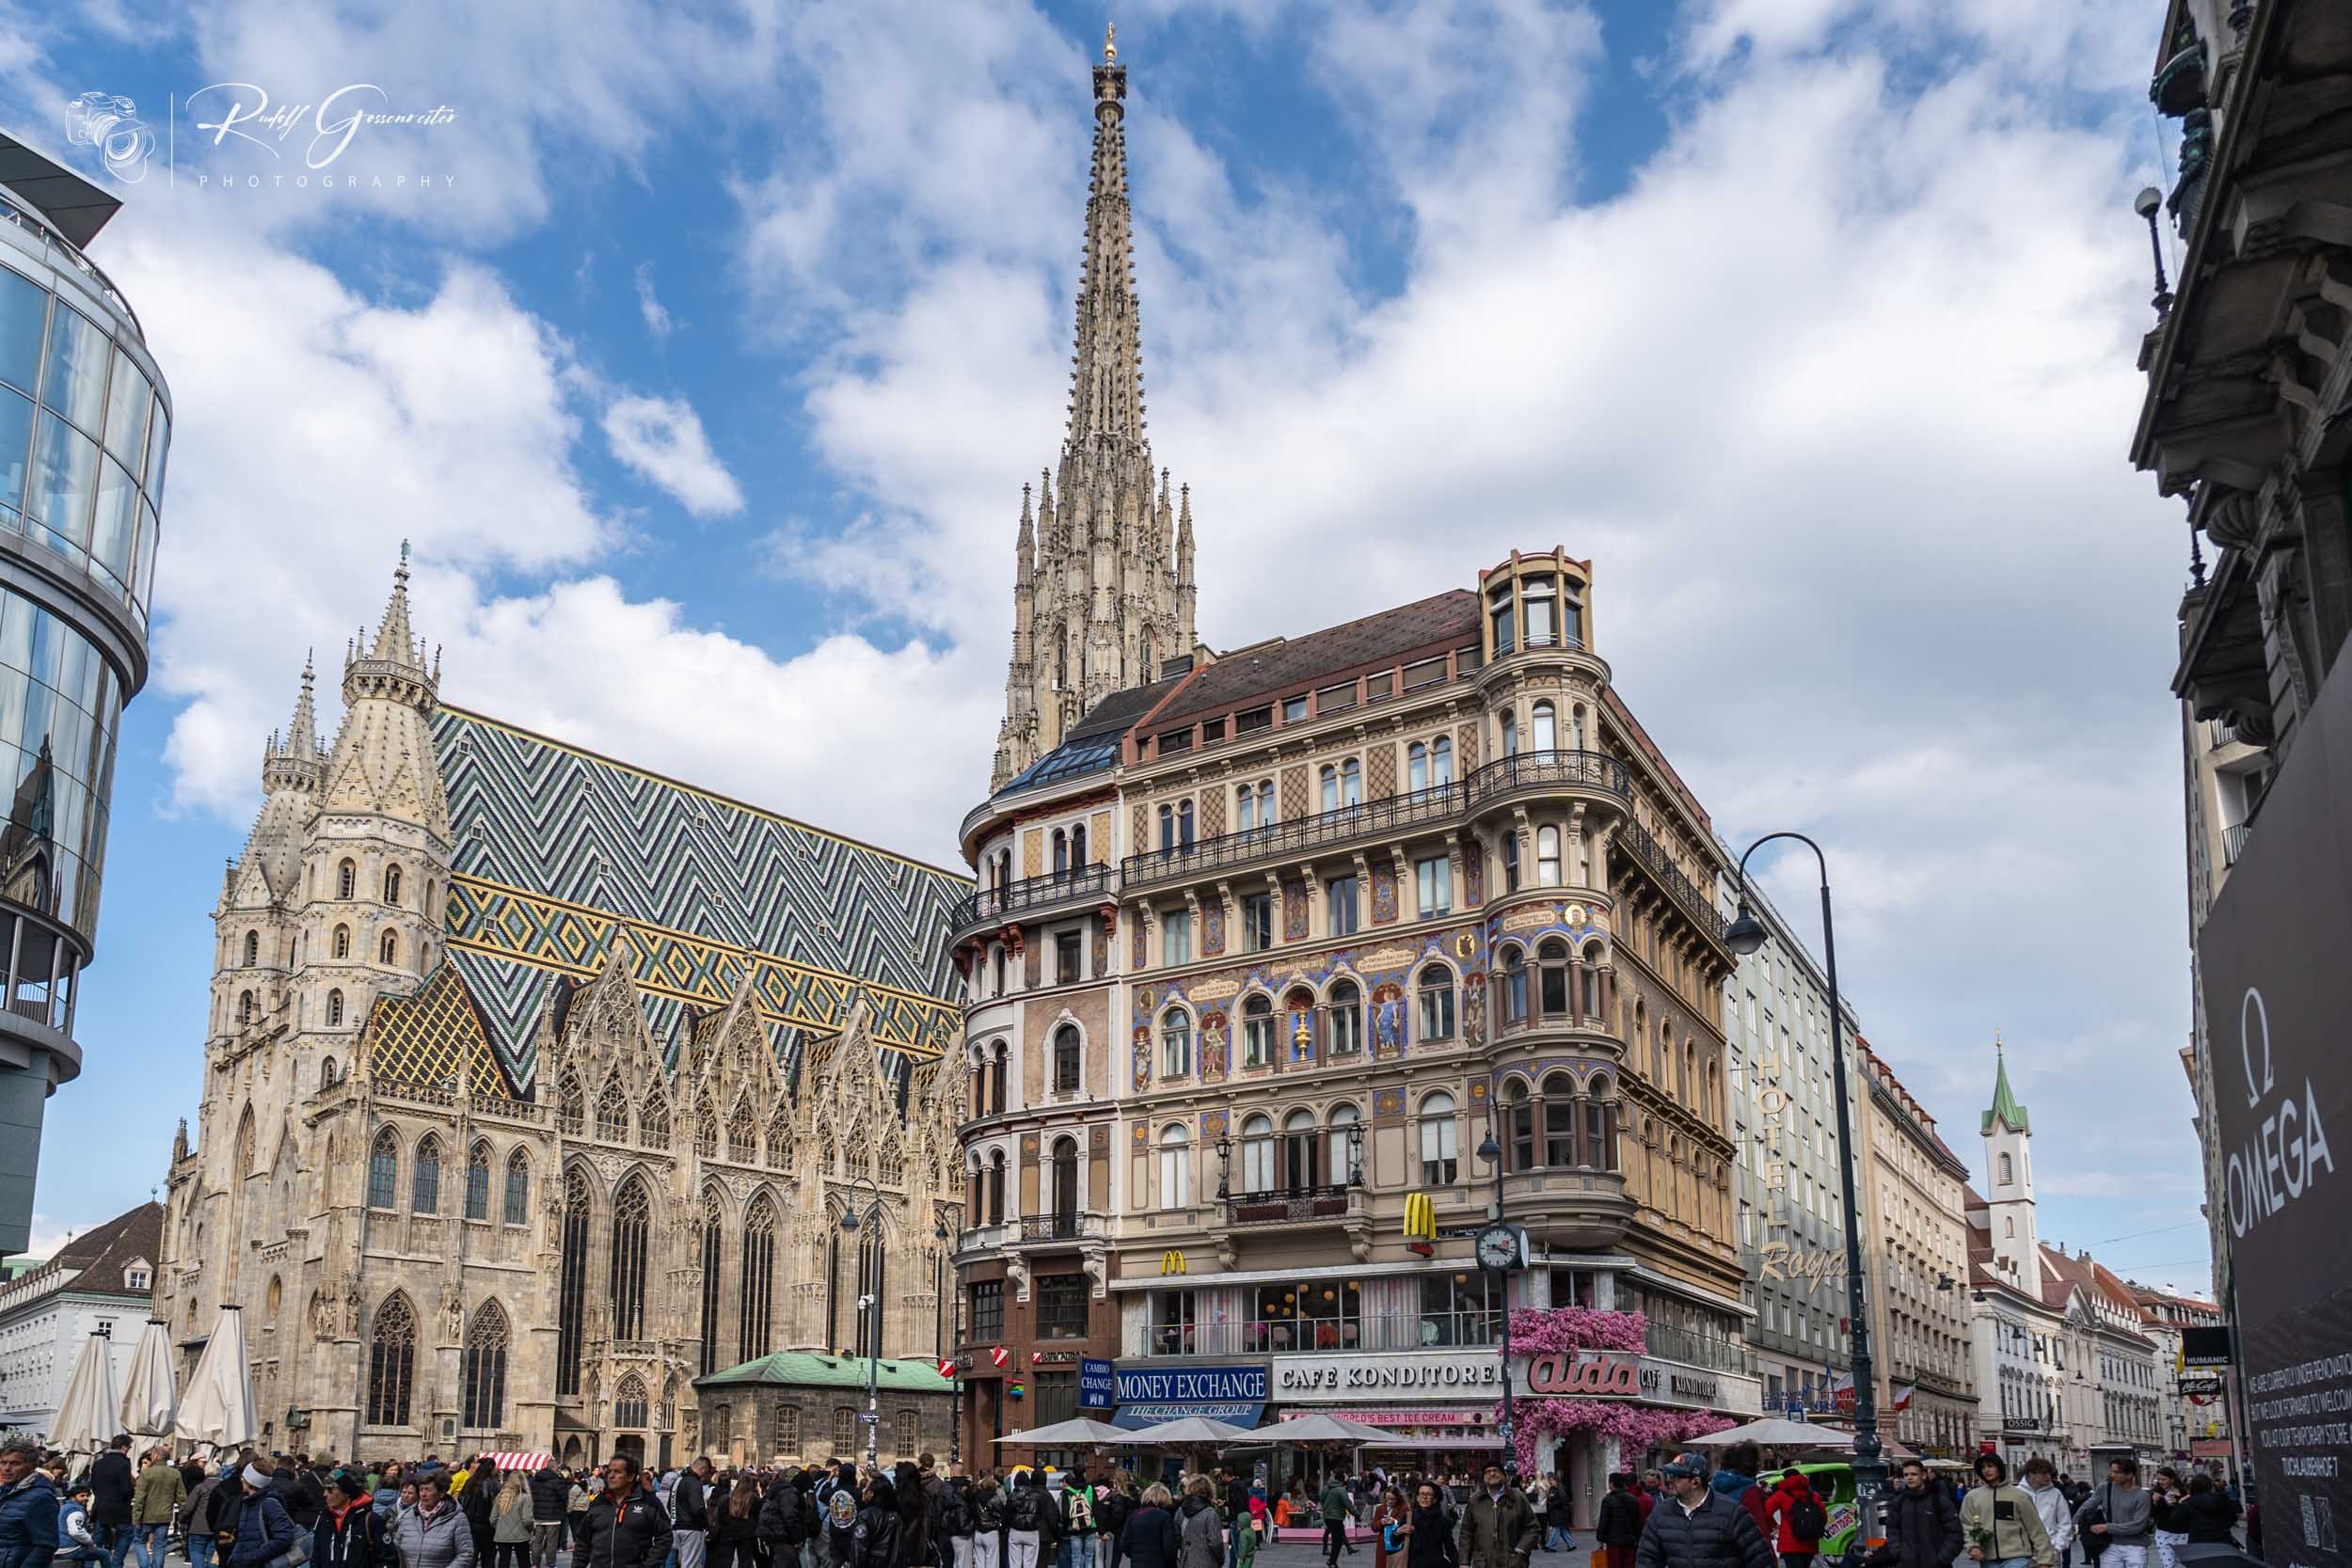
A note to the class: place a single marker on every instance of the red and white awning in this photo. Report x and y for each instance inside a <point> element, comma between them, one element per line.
<point>520,1461</point>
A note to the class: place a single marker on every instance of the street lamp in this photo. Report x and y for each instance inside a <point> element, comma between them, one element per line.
<point>1743,937</point>
<point>1497,1250</point>
<point>951,1320</point>
<point>2147,203</point>
<point>869,1310</point>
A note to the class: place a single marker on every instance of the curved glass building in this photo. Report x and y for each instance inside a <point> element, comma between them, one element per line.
<point>85,421</point>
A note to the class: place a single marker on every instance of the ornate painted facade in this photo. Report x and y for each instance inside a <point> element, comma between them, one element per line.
<point>536,1084</point>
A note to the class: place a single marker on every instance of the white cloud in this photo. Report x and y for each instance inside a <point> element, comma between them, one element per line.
<point>649,306</point>
<point>662,439</point>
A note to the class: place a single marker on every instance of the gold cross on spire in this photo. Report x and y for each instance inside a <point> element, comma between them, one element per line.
<point>1110,42</point>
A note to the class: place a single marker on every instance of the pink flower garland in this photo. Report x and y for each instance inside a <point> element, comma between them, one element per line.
<point>1540,1331</point>
<point>1639,1427</point>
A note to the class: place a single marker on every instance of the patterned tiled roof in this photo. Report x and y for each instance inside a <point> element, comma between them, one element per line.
<point>559,851</point>
<point>434,1035</point>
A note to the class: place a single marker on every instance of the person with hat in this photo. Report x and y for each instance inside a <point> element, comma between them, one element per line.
<point>1696,1526</point>
<point>347,1534</point>
<point>266,1533</point>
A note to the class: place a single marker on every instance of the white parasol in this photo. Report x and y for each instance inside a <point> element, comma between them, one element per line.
<point>151,1399</point>
<point>219,1405</point>
<point>1062,1434</point>
<point>1774,1432</point>
<point>89,1419</point>
<point>1188,1431</point>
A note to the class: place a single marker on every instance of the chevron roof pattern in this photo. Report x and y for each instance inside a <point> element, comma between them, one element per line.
<point>559,849</point>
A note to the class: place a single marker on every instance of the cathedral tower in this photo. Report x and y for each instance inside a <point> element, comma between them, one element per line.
<point>1102,585</point>
<point>2009,1175</point>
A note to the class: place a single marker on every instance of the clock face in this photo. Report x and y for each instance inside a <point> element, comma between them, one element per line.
<point>1497,1248</point>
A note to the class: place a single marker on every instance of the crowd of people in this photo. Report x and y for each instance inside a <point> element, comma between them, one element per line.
<point>256,1510</point>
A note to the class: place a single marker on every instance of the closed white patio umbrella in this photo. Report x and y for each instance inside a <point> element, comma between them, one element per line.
<point>90,1415</point>
<point>1317,1429</point>
<point>218,1406</point>
<point>150,1400</point>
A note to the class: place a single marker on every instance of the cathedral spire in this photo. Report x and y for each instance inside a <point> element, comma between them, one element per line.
<point>302,730</point>
<point>1106,403</point>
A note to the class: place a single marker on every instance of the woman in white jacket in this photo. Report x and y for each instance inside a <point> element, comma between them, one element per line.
<point>2057,1518</point>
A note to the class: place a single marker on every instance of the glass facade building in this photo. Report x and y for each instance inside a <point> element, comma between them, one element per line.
<point>85,424</point>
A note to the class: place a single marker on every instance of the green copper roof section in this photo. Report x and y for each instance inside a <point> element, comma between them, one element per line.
<point>809,1369</point>
<point>2005,1111</point>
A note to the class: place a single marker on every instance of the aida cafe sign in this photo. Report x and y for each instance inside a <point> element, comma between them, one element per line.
<point>1600,1375</point>
<point>1589,1376</point>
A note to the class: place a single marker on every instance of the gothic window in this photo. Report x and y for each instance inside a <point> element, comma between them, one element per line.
<point>346,879</point>
<point>388,950</point>
<point>632,1215</point>
<point>425,1192</point>
<point>759,1270</point>
<point>628,1401</point>
<point>571,1109</point>
<point>486,1369</point>
<point>669,1404</point>
<point>721,1426</point>
<point>613,1113</point>
<point>392,884</point>
<point>780,1140</point>
<point>2008,1171</point>
<point>334,1008</point>
<point>326,1072</point>
<point>714,1256</point>
<point>890,1162</point>
<point>706,1131</point>
<point>518,1210</point>
<point>341,945</point>
<point>653,1122</point>
<point>478,1182</point>
<point>743,1142</point>
<point>572,1282</point>
<point>252,948</point>
<point>384,1170</point>
<point>392,1362</point>
<point>245,1007</point>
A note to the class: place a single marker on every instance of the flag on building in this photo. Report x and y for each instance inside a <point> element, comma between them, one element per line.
<point>1899,1397</point>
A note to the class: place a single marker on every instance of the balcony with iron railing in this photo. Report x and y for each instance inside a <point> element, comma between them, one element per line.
<point>1032,1232</point>
<point>1030,896</point>
<point>1652,858</point>
<point>1710,1351</point>
<point>1382,819</point>
<point>1325,1201</point>
<point>1382,1331</point>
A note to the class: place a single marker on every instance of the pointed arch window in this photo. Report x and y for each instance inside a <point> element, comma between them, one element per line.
<point>706,1131</point>
<point>756,1319</point>
<point>326,1072</point>
<point>392,1363</point>
<point>714,1256</point>
<point>388,950</point>
<point>384,1170</point>
<point>653,1122</point>
<point>633,1219</point>
<point>613,1113</point>
<point>478,1182</point>
<point>628,1403</point>
<point>2009,1172</point>
<point>484,1393</point>
<point>245,1007</point>
<point>425,1189</point>
<point>392,884</point>
<point>340,944</point>
<point>742,1134</point>
<point>517,1208</point>
<point>571,1106</point>
<point>780,1141</point>
<point>572,1282</point>
<point>334,1008</point>
<point>346,881</point>
<point>252,948</point>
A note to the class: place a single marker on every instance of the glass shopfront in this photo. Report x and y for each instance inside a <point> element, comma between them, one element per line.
<point>1422,1311</point>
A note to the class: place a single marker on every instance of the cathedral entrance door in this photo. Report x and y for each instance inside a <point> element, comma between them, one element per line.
<point>634,1447</point>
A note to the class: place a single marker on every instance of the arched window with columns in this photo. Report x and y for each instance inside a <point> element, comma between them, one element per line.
<point>392,1362</point>
<point>484,1370</point>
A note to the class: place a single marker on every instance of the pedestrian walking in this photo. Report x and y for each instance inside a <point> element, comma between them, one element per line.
<point>2049,1500</point>
<point>623,1528</point>
<point>1149,1537</point>
<point>2165,1494</point>
<point>431,1533</point>
<point>1696,1526</point>
<point>988,1520</point>
<point>551,1500</point>
<point>2003,1526</point>
<point>111,1484</point>
<point>1499,1527</point>
<point>347,1534</point>
<point>1198,1528</point>
<point>734,1535</point>
<point>510,1525</point>
<point>1428,1533</point>
<point>689,1515</point>
<point>1617,1530</point>
<point>1798,1519</point>
<point>2206,1516</point>
<point>1337,1506</point>
<point>2118,1517</point>
<point>266,1533</point>
<point>154,1499</point>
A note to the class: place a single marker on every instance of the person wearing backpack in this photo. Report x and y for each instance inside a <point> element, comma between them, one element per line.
<point>1026,1524</point>
<point>1801,1519</point>
<point>1077,1515</point>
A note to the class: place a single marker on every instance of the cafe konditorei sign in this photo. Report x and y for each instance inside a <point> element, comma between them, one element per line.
<point>2273,956</point>
<point>1387,1377</point>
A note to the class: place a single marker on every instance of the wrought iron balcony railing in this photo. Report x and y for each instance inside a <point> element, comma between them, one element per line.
<point>1069,1227</point>
<point>1699,908</point>
<point>1288,1205</point>
<point>987,906</point>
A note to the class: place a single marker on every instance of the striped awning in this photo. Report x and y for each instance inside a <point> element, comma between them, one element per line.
<point>520,1461</point>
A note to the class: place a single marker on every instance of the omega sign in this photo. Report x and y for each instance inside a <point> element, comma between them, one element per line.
<point>2287,1150</point>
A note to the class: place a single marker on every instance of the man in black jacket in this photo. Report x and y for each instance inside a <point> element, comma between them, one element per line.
<point>779,1526</point>
<point>1922,1524</point>
<point>690,1516</point>
<point>1619,1529</point>
<point>110,1484</point>
<point>1693,1527</point>
<point>551,1494</point>
<point>625,1526</point>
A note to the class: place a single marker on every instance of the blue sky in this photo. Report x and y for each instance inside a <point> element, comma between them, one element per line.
<point>705,368</point>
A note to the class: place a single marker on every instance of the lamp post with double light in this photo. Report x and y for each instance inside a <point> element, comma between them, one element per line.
<point>1498,1249</point>
<point>951,1333</point>
<point>869,1315</point>
<point>1745,936</point>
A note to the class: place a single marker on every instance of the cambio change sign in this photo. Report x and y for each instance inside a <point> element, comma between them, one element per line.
<point>2277,960</point>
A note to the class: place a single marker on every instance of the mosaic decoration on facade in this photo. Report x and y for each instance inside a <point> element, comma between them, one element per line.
<point>1384,896</point>
<point>558,850</point>
<point>1293,911</point>
<point>1213,928</point>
